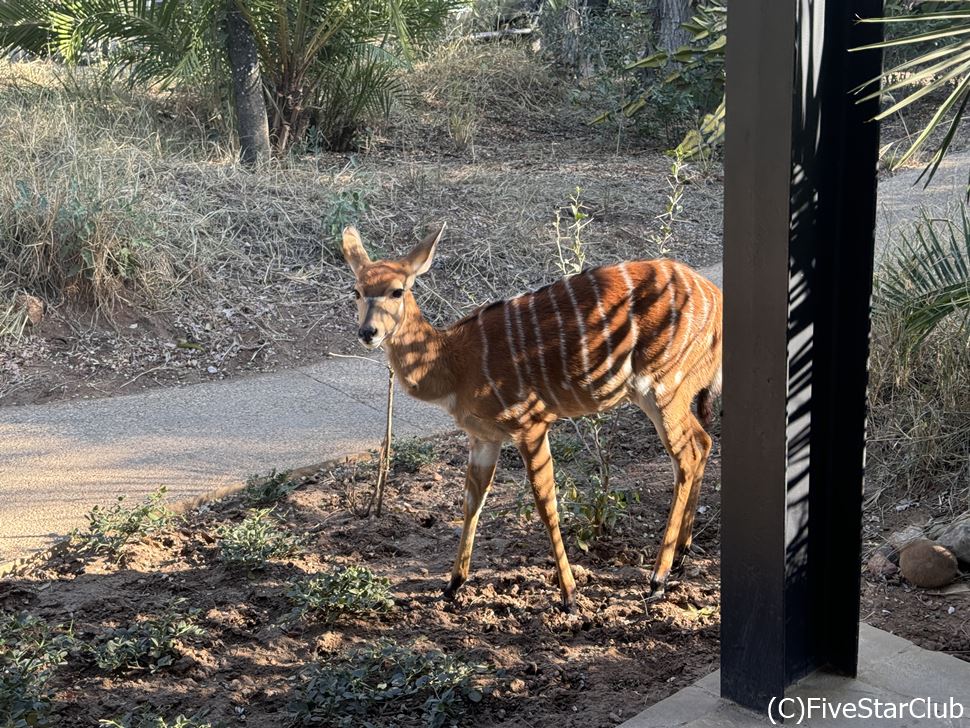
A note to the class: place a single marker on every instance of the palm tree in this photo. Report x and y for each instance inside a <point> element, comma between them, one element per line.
<point>318,59</point>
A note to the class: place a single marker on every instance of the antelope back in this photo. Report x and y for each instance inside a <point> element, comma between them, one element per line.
<point>578,345</point>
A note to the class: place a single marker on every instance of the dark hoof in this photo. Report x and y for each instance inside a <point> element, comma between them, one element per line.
<point>658,590</point>
<point>452,589</point>
<point>568,604</point>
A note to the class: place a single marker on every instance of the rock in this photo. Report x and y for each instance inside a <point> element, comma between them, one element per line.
<point>880,565</point>
<point>927,564</point>
<point>956,539</point>
<point>890,552</point>
<point>903,538</point>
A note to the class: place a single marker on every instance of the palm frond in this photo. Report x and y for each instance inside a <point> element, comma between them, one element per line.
<point>25,25</point>
<point>942,69</point>
<point>927,278</point>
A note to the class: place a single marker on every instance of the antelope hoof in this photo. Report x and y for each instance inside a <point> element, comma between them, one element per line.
<point>452,589</point>
<point>658,590</point>
<point>568,603</point>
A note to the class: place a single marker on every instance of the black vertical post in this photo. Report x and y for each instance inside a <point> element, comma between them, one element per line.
<point>800,192</point>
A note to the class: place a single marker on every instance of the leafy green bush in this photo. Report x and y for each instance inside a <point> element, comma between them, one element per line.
<point>351,590</point>
<point>30,652</point>
<point>265,490</point>
<point>150,644</point>
<point>110,529</point>
<point>255,540</point>
<point>411,454</point>
<point>150,720</point>
<point>373,685</point>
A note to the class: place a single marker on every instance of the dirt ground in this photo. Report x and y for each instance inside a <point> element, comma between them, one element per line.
<point>612,657</point>
<point>595,667</point>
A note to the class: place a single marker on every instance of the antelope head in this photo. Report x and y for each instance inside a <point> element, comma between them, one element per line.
<point>381,287</point>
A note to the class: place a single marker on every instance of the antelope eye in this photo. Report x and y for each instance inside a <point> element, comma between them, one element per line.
<point>356,293</point>
<point>397,292</point>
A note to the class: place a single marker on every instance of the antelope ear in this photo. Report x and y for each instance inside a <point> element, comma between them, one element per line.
<point>419,259</point>
<point>354,252</point>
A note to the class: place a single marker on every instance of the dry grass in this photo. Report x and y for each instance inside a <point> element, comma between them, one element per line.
<point>919,441</point>
<point>246,267</point>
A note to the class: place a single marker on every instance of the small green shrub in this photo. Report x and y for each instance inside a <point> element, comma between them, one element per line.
<point>264,491</point>
<point>352,590</point>
<point>411,454</point>
<point>376,685</point>
<point>150,720</point>
<point>255,540</point>
<point>30,652</point>
<point>592,511</point>
<point>347,209</point>
<point>590,505</point>
<point>110,529</point>
<point>150,644</point>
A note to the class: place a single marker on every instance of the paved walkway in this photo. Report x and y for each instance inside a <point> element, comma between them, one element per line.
<point>60,459</point>
<point>57,460</point>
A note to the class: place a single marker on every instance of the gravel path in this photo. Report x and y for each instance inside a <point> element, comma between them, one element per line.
<point>60,459</point>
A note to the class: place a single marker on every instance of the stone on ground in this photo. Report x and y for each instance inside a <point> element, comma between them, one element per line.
<point>956,538</point>
<point>927,564</point>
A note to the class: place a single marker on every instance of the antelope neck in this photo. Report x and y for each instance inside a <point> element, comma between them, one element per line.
<point>414,351</point>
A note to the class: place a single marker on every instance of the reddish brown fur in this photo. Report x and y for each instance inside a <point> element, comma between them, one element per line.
<point>643,331</point>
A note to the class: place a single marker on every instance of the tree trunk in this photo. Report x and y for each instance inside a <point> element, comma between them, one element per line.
<point>669,15</point>
<point>247,85</point>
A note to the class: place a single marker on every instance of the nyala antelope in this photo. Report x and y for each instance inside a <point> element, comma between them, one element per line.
<point>648,332</point>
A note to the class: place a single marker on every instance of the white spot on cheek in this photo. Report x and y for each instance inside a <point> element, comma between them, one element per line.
<point>661,388</point>
<point>678,378</point>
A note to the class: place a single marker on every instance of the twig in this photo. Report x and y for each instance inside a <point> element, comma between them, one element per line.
<point>147,371</point>
<point>362,358</point>
<point>384,462</point>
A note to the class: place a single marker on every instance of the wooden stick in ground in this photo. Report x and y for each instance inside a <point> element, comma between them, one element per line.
<point>384,463</point>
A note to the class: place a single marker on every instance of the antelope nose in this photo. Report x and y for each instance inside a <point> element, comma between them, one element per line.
<point>366,333</point>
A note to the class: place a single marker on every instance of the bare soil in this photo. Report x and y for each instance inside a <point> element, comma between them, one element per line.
<point>610,658</point>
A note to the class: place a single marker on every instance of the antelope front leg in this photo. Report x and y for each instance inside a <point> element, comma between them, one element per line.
<point>482,458</point>
<point>534,448</point>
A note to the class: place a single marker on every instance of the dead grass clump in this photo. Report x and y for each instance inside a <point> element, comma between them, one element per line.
<point>463,88</point>
<point>75,222</point>
<point>919,402</point>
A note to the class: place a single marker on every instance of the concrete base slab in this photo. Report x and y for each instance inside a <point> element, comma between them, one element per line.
<point>891,670</point>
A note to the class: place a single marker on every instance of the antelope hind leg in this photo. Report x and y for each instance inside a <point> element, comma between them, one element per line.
<point>534,448</point>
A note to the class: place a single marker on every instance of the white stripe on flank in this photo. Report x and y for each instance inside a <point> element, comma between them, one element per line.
<point>537,332</point>
<point>485,370</point>
<point>630,293</point>
<point>685,316</point>
<point>606,324</point>
<point>513,355</point>
<point>562,339</point>
<point>673,309</point>
<point>584,379</point>
<point>523,345</point>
